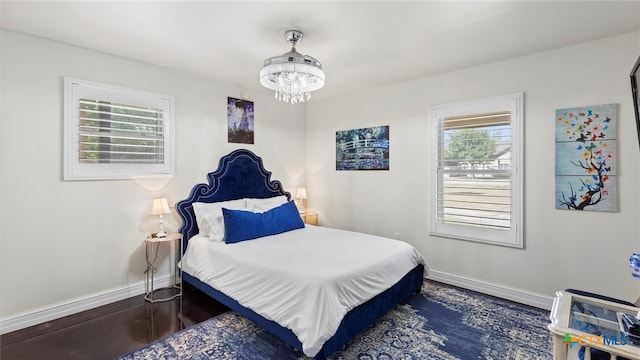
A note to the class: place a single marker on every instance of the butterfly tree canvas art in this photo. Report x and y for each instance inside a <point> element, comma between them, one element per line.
<point>586,148</point>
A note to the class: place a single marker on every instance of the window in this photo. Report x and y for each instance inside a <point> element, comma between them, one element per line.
<point>116,133</point>
<point>477,160</point>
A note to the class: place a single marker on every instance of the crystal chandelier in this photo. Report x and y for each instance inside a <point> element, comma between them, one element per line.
<point>292,75</point>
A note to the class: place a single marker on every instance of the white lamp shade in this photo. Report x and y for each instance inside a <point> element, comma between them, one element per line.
<point>302,193</point>
<point>160,206</point>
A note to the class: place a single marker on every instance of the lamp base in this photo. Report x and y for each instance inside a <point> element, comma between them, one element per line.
<point>161,234</point>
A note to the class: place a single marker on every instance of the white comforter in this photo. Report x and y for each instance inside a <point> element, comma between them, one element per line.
<point>306,279</point>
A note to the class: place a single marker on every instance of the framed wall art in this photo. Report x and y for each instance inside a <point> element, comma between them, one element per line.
<point>240,118</point>
<point>363,149</point>
<point>585,169</point>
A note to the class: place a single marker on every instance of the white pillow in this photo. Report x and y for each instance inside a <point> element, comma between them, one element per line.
<point>262,205</point>
<point>209,217</point>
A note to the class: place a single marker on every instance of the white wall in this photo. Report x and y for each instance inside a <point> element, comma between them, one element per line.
<point>586,250</point>
<point>62,241</point>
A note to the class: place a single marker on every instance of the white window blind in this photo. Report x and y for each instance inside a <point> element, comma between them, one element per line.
<point>120,133</point>
<point>116,133</point>
<point>477,187</point>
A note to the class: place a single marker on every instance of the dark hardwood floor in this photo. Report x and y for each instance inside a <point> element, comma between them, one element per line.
<point>111,330</point>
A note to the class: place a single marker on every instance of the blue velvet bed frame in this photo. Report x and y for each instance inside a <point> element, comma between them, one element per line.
<point>241,174</point>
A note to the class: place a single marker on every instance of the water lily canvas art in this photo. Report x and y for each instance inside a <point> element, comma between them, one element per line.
<point>363,149</point>
<point>586,146</point>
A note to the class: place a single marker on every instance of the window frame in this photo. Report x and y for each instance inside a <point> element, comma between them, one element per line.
<point>74,89</point>
<point>514,237</point>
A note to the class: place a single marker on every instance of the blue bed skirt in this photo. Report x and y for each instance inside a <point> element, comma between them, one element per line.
<point>352,324</point>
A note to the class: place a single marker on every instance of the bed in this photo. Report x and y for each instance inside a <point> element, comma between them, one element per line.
<point>299,284</point>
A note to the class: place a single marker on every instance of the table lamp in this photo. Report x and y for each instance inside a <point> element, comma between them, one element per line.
<point>159,208</point>
<point>301,195</point>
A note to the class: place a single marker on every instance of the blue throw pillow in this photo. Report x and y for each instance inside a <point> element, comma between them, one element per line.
<point>241,225</point>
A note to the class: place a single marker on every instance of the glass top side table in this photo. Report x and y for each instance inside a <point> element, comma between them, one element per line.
<point>151,269</point>
<point>593,323</point>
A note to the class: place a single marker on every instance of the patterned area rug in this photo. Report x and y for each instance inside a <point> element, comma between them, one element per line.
<point>443,322</point>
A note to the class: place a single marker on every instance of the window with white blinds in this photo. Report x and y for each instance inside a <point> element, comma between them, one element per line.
<point>116,133</point>
<point>477,188</point>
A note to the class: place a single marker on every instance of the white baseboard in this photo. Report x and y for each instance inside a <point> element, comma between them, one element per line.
<point>517,295</point>
<point>74,306</point>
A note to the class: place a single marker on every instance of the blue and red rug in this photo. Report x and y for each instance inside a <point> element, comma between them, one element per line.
<point>443,322</point>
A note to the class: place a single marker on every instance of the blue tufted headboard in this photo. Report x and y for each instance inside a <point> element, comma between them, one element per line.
<point>240,174</point>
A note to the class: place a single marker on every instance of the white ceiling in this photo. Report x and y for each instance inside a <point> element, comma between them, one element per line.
<point>360,43</point>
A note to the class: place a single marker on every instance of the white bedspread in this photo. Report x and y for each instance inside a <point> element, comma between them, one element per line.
<point>306,279</point>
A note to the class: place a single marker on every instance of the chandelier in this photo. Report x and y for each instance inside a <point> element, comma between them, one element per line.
<point>292,75</point>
